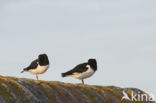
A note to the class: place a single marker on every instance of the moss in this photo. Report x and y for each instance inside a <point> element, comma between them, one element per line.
<point>4,91</point>
<point>100,91</point>
<point>77,94</point>
<point>84,89</point>
<point>60,92</point>
<point>14,85</point>
<point>47,91</point>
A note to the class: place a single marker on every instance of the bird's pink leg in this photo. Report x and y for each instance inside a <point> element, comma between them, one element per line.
<point>82,81</point>
<point>36,76</point>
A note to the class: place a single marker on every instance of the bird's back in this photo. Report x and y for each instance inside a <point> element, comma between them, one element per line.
<point>78,69</point>
<point>33,65</point>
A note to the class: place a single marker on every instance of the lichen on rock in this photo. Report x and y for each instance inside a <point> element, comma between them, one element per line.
<point>22,90</point>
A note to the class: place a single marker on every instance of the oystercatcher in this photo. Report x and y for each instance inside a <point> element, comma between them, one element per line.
<point>82,71</point>
<point>38,66</point>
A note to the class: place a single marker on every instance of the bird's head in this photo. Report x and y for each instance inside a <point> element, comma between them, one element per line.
<point>43,59</point>
<point>93,63</point>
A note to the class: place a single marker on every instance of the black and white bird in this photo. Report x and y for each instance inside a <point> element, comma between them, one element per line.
<point>82,71</point>
<point>38,66</point>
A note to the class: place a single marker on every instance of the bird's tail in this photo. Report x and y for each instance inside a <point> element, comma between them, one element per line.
<point>63,74</point>
<point>22,71</point>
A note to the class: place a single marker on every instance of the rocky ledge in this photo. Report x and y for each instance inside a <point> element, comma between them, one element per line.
<point>22,90</point>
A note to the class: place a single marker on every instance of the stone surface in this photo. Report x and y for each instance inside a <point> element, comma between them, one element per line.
<point>21,90</point>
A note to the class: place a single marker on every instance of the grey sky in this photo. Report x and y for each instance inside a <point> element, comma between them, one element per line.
<point>120,34</point>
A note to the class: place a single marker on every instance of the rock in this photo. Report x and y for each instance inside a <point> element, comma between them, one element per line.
<point>21,90</point>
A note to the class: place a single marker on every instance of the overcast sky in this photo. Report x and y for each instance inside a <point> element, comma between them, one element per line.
<point>120,34</point>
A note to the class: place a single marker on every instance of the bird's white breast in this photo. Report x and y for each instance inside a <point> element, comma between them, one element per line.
<point>85,74</point>
<point>39,69</point>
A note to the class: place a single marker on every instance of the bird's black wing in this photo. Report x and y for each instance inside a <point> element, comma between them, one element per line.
<point>33,65</point>
<point>78,69</point>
